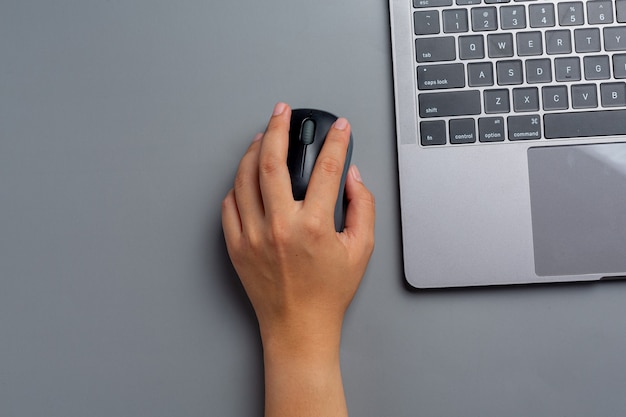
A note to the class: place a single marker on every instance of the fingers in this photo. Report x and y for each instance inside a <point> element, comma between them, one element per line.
<point>231,222</point>
<point>274,177</point>
<point>324,185</point>
<point>361,213</point>
<point>246,192</point>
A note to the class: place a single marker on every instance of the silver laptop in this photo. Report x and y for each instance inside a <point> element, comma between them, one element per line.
<point>511,131</point>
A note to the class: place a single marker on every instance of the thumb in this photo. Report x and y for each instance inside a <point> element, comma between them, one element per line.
<point>361,212</point>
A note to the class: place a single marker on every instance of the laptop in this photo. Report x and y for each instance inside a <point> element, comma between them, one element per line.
<point>511,138</point>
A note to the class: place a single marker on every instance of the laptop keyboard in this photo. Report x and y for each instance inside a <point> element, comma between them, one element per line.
<point>502,70</point>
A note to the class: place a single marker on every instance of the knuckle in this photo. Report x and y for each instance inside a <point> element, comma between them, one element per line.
<point>241,180</point>
<point>279,231</point>
<point>254,245</point>
<point>314,225</point>
<point>270,164</point>
<point>330,165</point>
<point>253,240</point>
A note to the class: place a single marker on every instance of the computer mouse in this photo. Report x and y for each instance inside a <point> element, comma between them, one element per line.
<point>307,134</point>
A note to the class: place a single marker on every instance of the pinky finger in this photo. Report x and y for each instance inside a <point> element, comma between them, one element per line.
<point>231,221</point>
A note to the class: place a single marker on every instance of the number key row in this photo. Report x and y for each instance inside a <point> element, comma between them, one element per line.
<point>599,12</point>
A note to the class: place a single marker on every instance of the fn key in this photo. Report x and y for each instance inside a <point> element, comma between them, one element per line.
<point>433,133</point>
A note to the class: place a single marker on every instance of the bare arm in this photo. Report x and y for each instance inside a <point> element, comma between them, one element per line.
<point>299,274</point>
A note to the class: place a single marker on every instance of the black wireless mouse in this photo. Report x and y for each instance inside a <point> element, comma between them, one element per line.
<point>306,136</point>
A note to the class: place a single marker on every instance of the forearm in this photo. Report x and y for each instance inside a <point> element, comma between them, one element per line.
<point>303,381</point>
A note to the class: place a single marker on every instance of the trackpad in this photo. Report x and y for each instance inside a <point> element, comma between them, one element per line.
<point>578,202</point>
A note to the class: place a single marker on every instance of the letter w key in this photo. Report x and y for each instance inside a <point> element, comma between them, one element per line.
<point>500,45</point>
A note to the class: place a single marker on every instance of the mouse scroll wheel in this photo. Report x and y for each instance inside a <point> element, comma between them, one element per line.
<point>307,132</point>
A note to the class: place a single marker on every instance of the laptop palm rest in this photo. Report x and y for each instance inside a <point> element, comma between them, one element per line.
<point>578,206</point>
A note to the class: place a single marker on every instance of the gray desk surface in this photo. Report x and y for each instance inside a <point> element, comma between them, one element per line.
<point>121,124</point>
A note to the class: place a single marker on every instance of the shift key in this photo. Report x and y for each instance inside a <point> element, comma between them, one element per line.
<point>449,103</point>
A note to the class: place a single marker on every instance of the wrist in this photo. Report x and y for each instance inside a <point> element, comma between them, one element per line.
<point>299,341</point>
<point>302,372</point>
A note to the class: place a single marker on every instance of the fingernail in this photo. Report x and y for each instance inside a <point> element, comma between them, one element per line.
<point>341,123</point>
<point>257,137</point>
<point>279,108</point>
<point>356,174</point>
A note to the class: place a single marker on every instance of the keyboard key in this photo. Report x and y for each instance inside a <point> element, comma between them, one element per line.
<point>491,129</point>
<point>524,127</point>
<point>585,124</point>
<point>525,99</point>
<point>512,17</point>
<point>587,40</point>
<point>467,2</point>
<point>480,74</point>
<point>455,21</point>
<point>529,43</point>
<point>597,67</point>
<point>541,15</point>
<point>435,49</point>
<point>431,3</point>
<point>619,65</point>
<point>613,94</point>
<point>509,72</point>
<point>567,69</point>
<point>615,39</point>
<point>471,47</point>
<point>600,12</point>
<point>558,42</point>
<point>554,97</point>
<point>620,8</point>
<point>432,77</point>
<point>538,71</point>
<point>571,13</point>
<point>433,132</point>
<point>484,18</point>
<point>500,45</point>
<point>449,103</point>
<point>462,131</point>
<point>426,22</point>
<point>497,101</point>
<point>584,96</point>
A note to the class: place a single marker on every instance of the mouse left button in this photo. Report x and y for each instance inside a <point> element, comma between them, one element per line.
<point>307,132</point>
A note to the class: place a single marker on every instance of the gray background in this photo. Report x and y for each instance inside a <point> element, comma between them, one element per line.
<point>121,125</point>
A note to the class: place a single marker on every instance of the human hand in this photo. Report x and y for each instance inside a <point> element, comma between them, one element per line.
<point>299,273</point>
